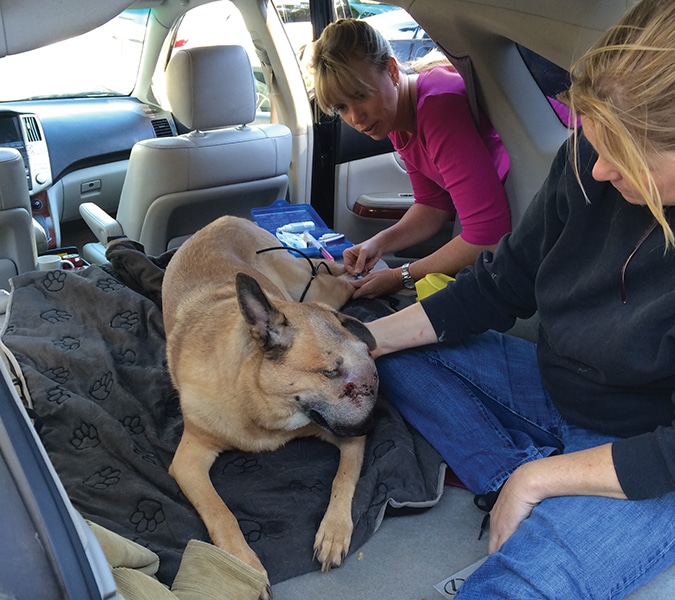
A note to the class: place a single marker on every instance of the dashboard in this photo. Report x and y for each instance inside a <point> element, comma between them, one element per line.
<point>24,133</point>
<point>76,150</point>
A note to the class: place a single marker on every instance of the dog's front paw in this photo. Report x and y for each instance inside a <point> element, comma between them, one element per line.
<point>332,542</point>
<point>251,558</point>
<point>236,546</point>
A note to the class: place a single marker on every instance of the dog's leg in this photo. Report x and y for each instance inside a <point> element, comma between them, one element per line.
<point>335,532</point>
<point>190,468</point>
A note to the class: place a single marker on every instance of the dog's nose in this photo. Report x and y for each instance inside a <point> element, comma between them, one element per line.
<point>358,394</point>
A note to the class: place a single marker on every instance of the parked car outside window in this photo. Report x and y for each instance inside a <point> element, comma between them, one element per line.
<point>407,38</point>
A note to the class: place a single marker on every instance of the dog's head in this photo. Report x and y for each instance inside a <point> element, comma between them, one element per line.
<point>313,361</point>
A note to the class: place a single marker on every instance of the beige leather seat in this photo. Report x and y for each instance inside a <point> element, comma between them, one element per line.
<point>176,185</point>
<point>17,237</point>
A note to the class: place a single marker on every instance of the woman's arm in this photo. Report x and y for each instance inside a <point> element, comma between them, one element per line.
<point>418,224</point>
<point>449,259</point>
<point>585,473</point>
<point>407,328</point>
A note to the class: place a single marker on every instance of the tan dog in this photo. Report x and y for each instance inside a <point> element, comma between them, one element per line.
<point>255,368</point>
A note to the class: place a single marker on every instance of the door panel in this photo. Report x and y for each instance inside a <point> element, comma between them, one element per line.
<point>369,192</point>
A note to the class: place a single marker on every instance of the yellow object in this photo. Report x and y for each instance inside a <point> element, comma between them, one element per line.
<point>431,283</point>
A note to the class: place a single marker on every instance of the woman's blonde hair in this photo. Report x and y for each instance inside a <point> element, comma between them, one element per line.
<point>339,46</point>
<point>625,85</point>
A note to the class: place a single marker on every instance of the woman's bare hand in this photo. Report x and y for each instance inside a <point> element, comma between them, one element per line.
<point>378,283</point>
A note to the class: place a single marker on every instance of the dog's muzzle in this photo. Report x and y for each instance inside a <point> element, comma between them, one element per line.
<point>349,415</point>
<point>342,430</point>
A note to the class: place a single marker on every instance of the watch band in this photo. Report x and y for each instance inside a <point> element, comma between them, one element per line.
<point>408,281</point>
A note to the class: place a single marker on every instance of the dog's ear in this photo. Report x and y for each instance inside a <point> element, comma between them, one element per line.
<point>358,329</point>
<point>267,325</point>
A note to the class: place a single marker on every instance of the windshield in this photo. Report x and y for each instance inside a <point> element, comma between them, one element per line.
<point>102,62</point>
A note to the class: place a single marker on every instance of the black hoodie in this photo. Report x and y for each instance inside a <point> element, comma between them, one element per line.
<point>596,270</point>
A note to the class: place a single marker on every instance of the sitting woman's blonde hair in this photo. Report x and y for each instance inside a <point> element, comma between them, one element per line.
<point>625,85</point>
<point>340,44</point>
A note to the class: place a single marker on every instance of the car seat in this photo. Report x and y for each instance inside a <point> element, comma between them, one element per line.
<point>174,186</point>
<point>18,251</point>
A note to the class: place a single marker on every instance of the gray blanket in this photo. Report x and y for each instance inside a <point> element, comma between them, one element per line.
<point>92,352</point>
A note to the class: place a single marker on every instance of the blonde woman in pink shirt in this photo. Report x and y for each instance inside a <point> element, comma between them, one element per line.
<point>455,167</point>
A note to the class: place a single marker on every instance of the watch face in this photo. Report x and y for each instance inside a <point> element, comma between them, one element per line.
<point>408,281</point>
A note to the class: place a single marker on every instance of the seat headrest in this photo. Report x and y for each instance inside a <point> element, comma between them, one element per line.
<point>13,184</point>
<point>211,87</point>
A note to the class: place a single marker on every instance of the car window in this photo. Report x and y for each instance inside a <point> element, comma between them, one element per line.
<point>212,24</point>
<point>102,62</point>
<point>551,79</point>
<point>408,40</point>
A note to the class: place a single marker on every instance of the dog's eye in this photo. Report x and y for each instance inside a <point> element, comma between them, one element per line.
<point>333,373</point>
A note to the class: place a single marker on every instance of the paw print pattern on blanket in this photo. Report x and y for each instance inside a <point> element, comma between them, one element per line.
<point>134,425</point>
<point>382,449</point>
<point>104,478</point>
<point>102,387</point>
<point>125,320</point>
<point>148,516</point>
<point>67,343</point>
<point>58,395</point>
<point>85,436</point>
<point>109,284</point>
<point>252,530</point>
<point>382,492</point>
<point>242,465</point>
<point>57,374</point>
<point>54,316</point>
<point>316,486</point>
<point>149,457</point>
<point>126,358</point>
<point>54,281</point>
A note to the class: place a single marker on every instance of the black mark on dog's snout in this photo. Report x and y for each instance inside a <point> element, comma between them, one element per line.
<point>342,430</point>
<point>357,328</point>
<point>318,418</point>
<point>355,430</point>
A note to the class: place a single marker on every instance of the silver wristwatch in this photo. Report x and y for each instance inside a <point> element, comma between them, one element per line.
<point>408,281</point>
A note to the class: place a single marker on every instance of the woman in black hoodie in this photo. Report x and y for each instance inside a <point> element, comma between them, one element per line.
<point>574,433</point>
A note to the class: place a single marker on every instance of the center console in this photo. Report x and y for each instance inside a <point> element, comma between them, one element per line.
<point>23,131</point>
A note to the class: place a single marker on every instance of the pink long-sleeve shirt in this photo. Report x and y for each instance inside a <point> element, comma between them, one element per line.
<point>452,164</point>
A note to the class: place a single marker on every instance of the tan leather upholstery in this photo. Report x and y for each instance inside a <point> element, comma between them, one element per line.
<point>175,186</point>
<point>17,236</point>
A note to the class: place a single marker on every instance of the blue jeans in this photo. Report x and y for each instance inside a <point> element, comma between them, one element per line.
<point>482,405</point>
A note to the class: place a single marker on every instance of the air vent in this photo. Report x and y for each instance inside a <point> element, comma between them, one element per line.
<point>162,128</point>
<point>32,128</point>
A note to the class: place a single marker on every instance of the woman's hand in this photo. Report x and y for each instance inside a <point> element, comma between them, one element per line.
<point>361,258</point>
<point>377,283</point>
<point>584,473</point>
<point>514,505</point>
